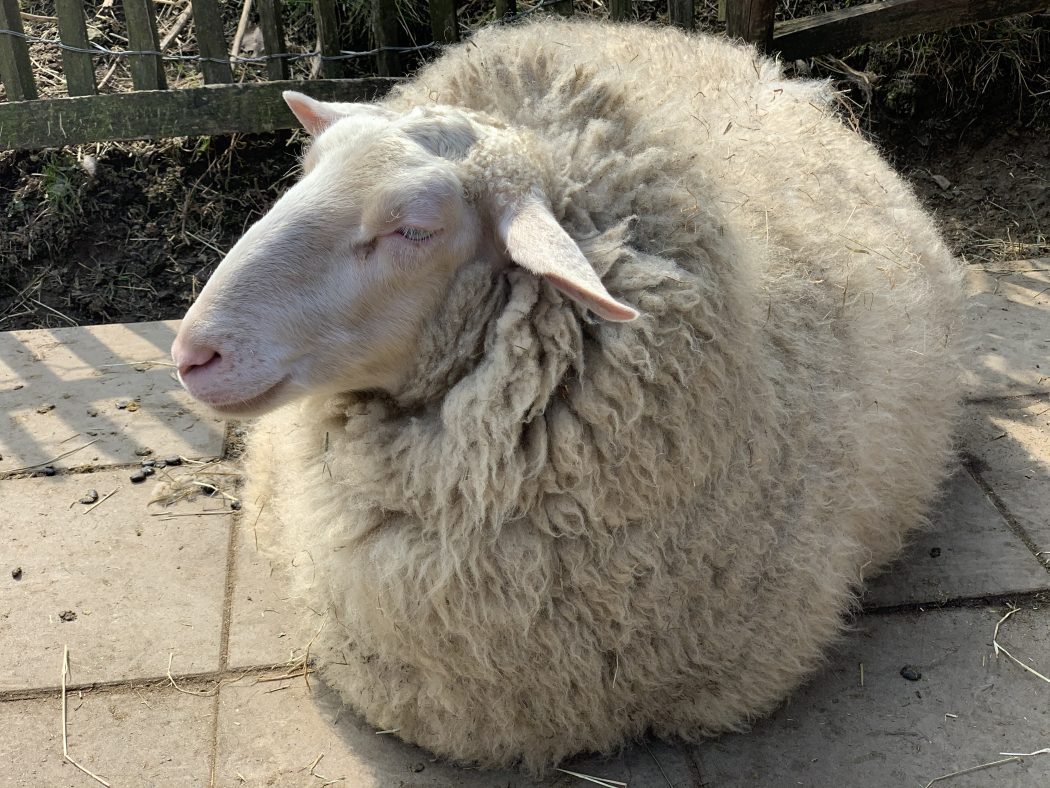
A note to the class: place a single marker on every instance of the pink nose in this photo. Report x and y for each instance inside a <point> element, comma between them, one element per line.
<point>189,357</point>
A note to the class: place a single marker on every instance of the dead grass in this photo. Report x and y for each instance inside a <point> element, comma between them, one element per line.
<point>1010,757</point>
<point>65,736</point>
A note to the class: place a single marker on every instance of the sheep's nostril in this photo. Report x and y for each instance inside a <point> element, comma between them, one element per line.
<point>195,359</point>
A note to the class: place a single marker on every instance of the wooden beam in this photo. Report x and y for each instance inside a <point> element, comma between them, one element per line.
<point>751,21</point>
<point>215,109</point>
<point>326,14</point>
<point>207,26</point>
<point>619,10</point>
<point>443,22</point>
<point>78,67</point>
<point>147,71</point>
<point>273,37</point>
<point>836,31</point>
<point>682,13</point>
<point>15,69</point>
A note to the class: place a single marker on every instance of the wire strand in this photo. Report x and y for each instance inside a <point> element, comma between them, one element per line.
<point>344,54</point>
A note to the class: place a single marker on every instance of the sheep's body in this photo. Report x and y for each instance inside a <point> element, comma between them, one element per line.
<point>568,532</point>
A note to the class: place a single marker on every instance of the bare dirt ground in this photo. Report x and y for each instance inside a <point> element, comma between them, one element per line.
<point>129,232</point>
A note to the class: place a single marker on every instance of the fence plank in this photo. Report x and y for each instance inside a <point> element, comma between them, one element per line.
<point>385,30</point>
<point>505,8</point>
<point>326,13</point>
<point>147,71</point>
<point>620,10</point>
<point>682,13</point>
<point>882,21</point>
<point>443,22</point>
<point>78,67</point>
<point>207,25</point>
<point>15,69</point>
<point>214,109</point>
<point>273,37</point>
<point>751,20</point>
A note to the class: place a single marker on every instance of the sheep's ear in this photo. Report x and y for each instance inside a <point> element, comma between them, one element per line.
<point>316,116</point>
<point>538,244</point>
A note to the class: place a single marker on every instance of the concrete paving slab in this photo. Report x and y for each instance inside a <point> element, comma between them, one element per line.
<point>1010,440</point>
<point>271,734</point>
<point>265,627</point>
<point>968,552</point>
<point>60,389</point>
<point>137,737</point>
<point>1011,321</point>
<point>966,709</point>
<point>123,588</point>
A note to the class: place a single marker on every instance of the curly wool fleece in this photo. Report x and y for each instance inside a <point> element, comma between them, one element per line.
<point>568,532</point>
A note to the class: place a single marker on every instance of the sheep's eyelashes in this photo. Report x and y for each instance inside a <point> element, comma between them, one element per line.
<point>415,233</point>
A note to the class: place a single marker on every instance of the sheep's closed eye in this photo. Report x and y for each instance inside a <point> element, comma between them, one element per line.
<point>415,233</point>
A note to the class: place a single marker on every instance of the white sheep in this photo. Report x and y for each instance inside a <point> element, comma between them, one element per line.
<point>539,521</point>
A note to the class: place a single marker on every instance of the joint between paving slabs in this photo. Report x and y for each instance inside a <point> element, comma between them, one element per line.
<point>86,469</point>
<point>1013,599</point>
<point>231,443</point>
<point>972,465</point>
<point>1041,394</point>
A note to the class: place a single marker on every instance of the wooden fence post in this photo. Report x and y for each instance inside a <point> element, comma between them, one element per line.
<point>752,21</point>
<point>78,67</point>
<point>15,68</point>
<point>147,71</point>
<point>207,26</point>
<point>273,37</point>
<point>385,30</point>
<point>620,10</point>
<point>682,13</point>
<point>443,22</point>
<point>326,14</point>
<point>505,8</point>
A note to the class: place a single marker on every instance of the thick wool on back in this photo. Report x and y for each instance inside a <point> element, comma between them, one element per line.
<point>567,532</point>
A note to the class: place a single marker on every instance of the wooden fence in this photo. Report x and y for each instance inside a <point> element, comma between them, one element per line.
<point>151,110</point>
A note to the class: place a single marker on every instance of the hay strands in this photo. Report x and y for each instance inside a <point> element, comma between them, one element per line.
<point>606,783</point>
<point>198,694</point>
<point>65,738</point>
<point>49,462</point>
<point>1009,757</point>
<point>1014,757</point>
<point>997,647</point>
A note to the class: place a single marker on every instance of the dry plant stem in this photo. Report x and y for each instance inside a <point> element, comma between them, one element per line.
<point>596,780</point>
<point>201,694</point>
<point>998,648</point>
<point>65,738</point>
<point>138,363</point>
<point>658,765</point>
<point>101,500</point>
<point>177,27</point>
<point>28,17</point>
<point>242,26</point>
<point>1044,751</point>
<point>53,459</point>
<point>971,770</point>
<point>108,75</point>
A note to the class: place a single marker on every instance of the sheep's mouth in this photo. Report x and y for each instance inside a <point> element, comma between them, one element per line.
<point>252,406</point>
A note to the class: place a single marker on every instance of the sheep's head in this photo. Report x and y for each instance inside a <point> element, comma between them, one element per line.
<point>329,291</point>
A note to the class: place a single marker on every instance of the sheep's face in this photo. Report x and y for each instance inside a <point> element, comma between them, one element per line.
<point>329,291</point>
